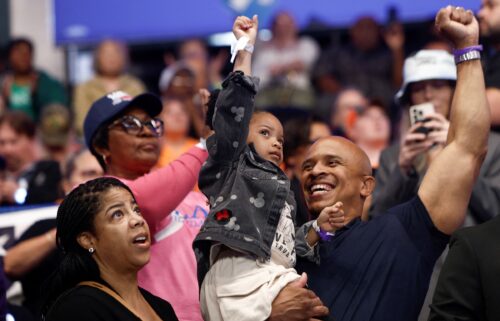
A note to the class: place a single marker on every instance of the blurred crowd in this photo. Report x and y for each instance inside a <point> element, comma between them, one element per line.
<point>334,85</point>
<point>362,88</point>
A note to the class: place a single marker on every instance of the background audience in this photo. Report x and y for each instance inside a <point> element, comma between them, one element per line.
<point>25,88</point>
<point>29,179</point>
<point>364,62</point>
<point>283,65</point>
<point>489,23</point>
<point>370,129</point>
<point>110,67</point>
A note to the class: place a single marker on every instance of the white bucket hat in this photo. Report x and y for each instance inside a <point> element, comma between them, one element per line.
<point>425,65</point>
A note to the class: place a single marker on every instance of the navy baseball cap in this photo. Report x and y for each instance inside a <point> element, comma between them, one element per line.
<point>109,106</point>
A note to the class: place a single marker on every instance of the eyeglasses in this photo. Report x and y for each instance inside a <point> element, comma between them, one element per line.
<point>133,126</point>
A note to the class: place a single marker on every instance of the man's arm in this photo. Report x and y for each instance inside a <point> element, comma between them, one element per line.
<point>29,253</point>
<point>447,185</point>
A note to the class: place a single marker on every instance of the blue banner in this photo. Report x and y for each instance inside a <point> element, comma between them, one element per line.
<point>79,22</point>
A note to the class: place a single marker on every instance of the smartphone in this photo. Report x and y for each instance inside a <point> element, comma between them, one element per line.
<point>419,113</point>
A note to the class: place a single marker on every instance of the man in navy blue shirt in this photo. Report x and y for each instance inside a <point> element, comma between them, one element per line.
<point>379,270</point>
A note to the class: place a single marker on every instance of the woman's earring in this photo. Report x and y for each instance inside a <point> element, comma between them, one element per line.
<point>91,250</point>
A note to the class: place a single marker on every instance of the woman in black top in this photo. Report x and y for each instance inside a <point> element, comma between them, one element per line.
<point>105,242</point>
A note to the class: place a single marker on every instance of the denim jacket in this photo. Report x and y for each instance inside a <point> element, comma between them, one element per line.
<point>246,192</point>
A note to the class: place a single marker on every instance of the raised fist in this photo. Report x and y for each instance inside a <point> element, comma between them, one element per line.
<point>244,26</point>
<point>458,26</point>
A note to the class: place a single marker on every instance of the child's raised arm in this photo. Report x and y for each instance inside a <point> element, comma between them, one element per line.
<point>234,106</point>
<point>245,27</point>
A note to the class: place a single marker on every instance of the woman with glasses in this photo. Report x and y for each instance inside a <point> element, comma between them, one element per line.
<point>123,133</point>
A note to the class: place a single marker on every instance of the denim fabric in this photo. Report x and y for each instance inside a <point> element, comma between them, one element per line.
<point>246,192</point>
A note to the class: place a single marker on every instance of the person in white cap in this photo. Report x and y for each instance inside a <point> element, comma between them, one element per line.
<point>429,77</point>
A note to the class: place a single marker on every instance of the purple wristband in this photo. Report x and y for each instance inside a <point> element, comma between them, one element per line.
<point>459,52</point>
<point>325,236</point>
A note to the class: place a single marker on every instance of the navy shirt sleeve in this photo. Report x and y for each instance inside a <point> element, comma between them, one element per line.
<point>427,239</point>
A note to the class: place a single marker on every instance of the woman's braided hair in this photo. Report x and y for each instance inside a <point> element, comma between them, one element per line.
<point>75,215</point>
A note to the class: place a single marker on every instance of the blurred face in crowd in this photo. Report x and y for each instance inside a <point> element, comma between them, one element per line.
<point>17,149</point>
<point>318,130</point>
<point>182,85</point>
<point>111,58</point>
<point>365,34</point>
<point>439,92</point>
<point>348,100</point>
<point>284,26</point>
<point>21,58</point>
<point>130,155</point>
<point>371,127</point>
<point>193,49</point>
<point>194,53</point>
<point>266,134</point>
<point>175,118</point>
<point>489,18</point>
<point>121,237</point>
<point>85,168</point>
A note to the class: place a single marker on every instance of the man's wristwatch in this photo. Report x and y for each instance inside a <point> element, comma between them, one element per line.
<point>323,235</point>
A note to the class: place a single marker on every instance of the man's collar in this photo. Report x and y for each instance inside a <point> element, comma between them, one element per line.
<point>352,223</point>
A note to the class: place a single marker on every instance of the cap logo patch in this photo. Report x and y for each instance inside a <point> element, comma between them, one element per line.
<point>118,97</point>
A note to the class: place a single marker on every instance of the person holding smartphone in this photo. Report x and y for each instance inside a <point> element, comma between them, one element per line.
<point>426,98</point>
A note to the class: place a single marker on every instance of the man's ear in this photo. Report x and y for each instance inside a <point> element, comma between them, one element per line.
<point>367,186</point>
<point>86,240</point>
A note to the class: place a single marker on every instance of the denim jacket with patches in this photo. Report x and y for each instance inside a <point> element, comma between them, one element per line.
<point>246,192</point>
